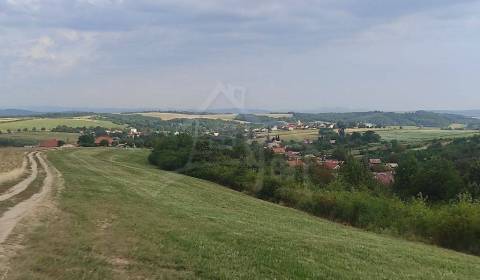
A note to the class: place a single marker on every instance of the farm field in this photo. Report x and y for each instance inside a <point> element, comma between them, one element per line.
<point>423,134</point>
<point>276,115</point>
<point>296,135</point>
<point>172,116</point>
<point>35,137</point>
<point>124,219</point>
<point>407,134</point>
<point>49,123</point>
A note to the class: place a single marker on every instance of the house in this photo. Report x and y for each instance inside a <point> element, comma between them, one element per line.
<point>384,178</point>
<point>291,155</point>
<point>103,139</point>
<point>392,165</point>
<point>49,143</point>
<point>279,150</point>
<point>331,164</point>
<point>374,161</point>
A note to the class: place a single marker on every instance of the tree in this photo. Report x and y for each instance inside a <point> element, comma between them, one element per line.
<point>86,140</point>
<point>355,173</point>
<point>438,180</point>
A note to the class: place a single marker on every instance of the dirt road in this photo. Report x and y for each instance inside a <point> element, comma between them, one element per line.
<point>23,185</point>
<point>24,213</point>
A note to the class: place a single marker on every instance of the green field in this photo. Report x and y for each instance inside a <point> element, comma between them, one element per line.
<point>407,134</point>
<point>49,123</point>
<point>423,134</point>
<point>36,137</point>
<point>123,219</point>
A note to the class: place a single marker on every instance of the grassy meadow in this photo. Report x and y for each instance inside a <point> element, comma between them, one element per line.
<point>50,123</point>
<point>121,218</point>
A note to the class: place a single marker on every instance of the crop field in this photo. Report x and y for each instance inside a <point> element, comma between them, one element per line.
<point>11,158</point>
<point>296,135</point>
<point>172,116</point>
<point>407,134</point>
<point>35,137</point>
<point>49,123</point>
<point>423,134</point>
<point>121,218</point>
<point>276,115</point>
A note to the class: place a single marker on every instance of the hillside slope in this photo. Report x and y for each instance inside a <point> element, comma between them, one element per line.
<point>123,219</point>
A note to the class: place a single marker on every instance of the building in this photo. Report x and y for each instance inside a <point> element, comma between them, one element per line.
<point>279,150</point>
<point>331,164</point>
<point>49,143</point>
<point>384,178</point>
<point>103,139</point>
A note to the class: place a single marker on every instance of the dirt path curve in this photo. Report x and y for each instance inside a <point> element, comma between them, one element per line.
<point>23,185</point>
<point>10,218</point>
<point>14,174</point>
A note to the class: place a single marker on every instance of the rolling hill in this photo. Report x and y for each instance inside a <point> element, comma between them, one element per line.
<point>121,218</point>
<point>418,118</point>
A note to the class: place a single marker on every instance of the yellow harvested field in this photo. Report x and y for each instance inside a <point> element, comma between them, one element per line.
<point>11,158</point>
<point>8,119</point>
<point>172,116</point>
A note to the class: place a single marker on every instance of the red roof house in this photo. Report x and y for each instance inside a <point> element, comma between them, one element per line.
<point>49,143</point>
<point>385,178</point>
<point>332,164</point>
<point>99,140</point>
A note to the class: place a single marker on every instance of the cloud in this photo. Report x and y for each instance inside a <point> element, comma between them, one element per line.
<point>88,42</point>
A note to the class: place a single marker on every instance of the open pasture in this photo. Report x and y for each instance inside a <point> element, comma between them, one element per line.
<point>50,123</point>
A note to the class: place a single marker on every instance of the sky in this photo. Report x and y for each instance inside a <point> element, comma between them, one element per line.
<point>299,55</point>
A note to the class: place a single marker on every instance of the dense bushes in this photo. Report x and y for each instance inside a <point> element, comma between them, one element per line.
<point>455,225</point>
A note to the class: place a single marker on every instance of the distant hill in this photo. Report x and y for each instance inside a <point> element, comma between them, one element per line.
<point>467,113</point>
<point>418,118</point>
<point>16,113</point>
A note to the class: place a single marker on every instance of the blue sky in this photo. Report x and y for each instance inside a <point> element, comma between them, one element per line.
<point>288,55</point>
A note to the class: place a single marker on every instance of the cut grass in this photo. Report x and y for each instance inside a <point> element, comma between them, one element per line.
<point>50,123</point>
<point>124,219</point>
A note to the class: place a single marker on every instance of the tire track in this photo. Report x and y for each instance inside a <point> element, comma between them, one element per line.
<point>11,218</point>
<point>23,185</point>
<point>16,173</point>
